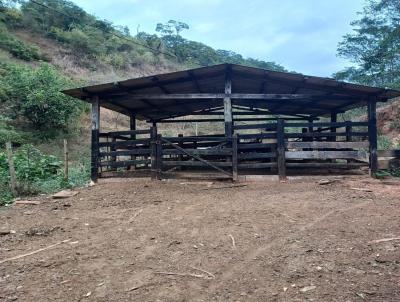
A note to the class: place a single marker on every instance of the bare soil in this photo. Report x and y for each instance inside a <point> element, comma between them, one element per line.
<point>177,241</point>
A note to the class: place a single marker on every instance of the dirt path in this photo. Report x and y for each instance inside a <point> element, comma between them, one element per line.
<point>168,241</point>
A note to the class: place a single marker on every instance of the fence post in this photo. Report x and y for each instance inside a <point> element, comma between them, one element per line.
<point>65,160</point>
<point>159,157</point>
<point>348,131</point>
<point>280,131</point>
<point>153,151</point>
<point>13,178</point>
<point>235,157</point>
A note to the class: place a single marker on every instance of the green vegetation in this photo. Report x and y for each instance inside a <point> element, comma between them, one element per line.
<point>38,173</point>
<point>374,46</point>
<point>34,94</point>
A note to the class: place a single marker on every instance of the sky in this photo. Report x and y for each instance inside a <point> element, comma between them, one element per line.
<point>301,35</point>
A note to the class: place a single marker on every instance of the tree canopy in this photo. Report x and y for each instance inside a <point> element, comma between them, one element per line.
<point>374,45</point>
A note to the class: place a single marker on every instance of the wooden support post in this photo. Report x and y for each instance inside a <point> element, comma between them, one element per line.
<point>373,138</point>
<point>348,137</point>
<point>153,150</point>
<point>95,138</point>
<point>333,129</point>
<point>348,131</point>
<point>228,106</point>
<point>132,126</point>
<point>159,157</point>
<point>11,168</point>
<point>180,156</point>
<point>65,160</point>
<point>281,149</point>
<point>235,157</point>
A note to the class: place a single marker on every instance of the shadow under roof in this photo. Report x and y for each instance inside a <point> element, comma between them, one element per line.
<point>324,95</point>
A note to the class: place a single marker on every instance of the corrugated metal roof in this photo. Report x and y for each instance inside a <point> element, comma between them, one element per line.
<point>328,94</point>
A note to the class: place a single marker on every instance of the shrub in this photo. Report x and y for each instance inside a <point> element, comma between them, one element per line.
<point>35,94</point>
<point>39,173</point>
<point>17,48</point>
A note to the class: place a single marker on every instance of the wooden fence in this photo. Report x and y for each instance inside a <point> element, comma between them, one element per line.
<point>275,147</point>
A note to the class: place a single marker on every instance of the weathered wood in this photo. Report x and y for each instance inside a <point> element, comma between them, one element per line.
<point>373,138</point>
<point>95,114</point>
<point>257,155</point>
<point>250,146</point>
<point>159,154</point>
<point>266,127</point>
<point>222,152</point>
<point>326,165</point>
<point>332,128</point>
<point>132,127</point>
<point>358,155</point>
<point>153,148</point>
<point>126,152</point>
<point>257,165</point>
<point>326,124</point>
<point>325,134</point>
<point>332,145</point>
<point>257,136</point>
<point>192,163</point>
<point>11,170</point>
<point>196,139</point>
<point>126,163</point>
<point>194,156</point>
<point>281,149</point>
<point>227,94</point>
<point>235,157</point>
<point>132,143</point>
<point>65,160</point>
<point>228,106</point>
<point>388,153</point>
<point>126,132</point>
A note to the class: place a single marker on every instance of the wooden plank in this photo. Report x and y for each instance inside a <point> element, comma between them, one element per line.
<point>228,105</point>
<point>249,146</point>
<point>325,134</point>
<point>127,163</point>
<point>235,157</point>
<point>266,127</point>
<point>127,132</point>
<point>196,139</point>
<point>281,159</point>
<point>257,165</point>
<point>373,138</point>
<point>225,151</point>
<point>159,162</point>
<point>359,155</point>
<point>332,145</point>
<point>227,94</point>
<point>153,148</point>
<point>95,115</point>
<point>388,153</point>
<point>257,136</point>
<point>140,141</point>
<point>257,155</point>
<point>195,157</point>
<point>326,165</point>
<point>126,152</point>
<point>190,163</point>
<point>327,124</point>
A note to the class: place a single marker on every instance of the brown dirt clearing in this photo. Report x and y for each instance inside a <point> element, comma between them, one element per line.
<point>174,241</point>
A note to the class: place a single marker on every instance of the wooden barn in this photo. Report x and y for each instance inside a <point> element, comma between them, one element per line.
<point>275,123</point>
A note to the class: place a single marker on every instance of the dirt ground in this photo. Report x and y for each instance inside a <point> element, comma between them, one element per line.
<point>179,241</point>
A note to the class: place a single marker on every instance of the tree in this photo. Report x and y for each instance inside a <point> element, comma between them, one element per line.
<point>374,47</point>
<point>35,95</point>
